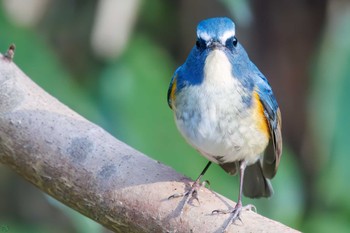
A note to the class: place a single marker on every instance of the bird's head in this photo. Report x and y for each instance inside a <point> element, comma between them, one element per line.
<point>215,33</point>
<point>216,49</point>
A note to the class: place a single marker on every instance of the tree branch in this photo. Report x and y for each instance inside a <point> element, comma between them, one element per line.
<point>84,167</point>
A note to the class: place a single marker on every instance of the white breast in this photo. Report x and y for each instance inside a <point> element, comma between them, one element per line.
<point>213,118</point>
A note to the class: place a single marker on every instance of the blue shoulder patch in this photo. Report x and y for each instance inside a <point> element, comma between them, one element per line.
<point>192,71</point>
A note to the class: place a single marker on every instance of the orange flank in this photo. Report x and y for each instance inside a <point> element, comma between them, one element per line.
<point>172,93</point>
<point>260,116</point>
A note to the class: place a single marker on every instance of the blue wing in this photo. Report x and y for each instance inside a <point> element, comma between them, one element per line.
<point>273,117</point>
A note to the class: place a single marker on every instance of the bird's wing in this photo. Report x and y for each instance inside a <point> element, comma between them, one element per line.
<point>273,117</point>
<point>172,89</point>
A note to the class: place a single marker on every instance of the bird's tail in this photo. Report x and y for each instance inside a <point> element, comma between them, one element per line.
<point>255,184</point>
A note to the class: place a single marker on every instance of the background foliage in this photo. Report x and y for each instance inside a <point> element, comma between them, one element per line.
<point>120,80</point>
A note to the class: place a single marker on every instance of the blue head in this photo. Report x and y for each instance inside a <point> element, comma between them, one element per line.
<point>216,32</point>
<point>213,34</point>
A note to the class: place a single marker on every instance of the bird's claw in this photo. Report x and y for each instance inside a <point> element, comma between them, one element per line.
<point>235,213</point>
<point>192,191</point>
<point>238,208</point>
<point>191,194</point>
<point>176,195</point>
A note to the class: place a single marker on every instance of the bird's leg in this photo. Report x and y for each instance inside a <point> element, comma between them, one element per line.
<point>192,193</point>
<point>236,211</point>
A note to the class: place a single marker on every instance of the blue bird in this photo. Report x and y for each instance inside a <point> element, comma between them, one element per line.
<point>225,108</point>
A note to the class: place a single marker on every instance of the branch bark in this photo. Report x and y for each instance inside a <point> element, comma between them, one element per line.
<point>84,167</point>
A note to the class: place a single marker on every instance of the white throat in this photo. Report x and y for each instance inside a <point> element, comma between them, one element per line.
<point>218,69</point>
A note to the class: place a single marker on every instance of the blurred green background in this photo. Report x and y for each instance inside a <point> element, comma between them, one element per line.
<point>112,60</point>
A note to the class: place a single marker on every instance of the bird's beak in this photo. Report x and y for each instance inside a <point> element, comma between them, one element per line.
<point>214,45</point>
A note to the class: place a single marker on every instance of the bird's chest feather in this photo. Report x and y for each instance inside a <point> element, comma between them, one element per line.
<point>218,116</point>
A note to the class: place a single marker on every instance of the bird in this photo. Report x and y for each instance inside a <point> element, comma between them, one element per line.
<point>225,108</point>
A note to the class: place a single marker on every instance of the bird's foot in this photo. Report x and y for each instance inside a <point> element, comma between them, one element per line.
<point>192,193</point>
<point>235,213</point>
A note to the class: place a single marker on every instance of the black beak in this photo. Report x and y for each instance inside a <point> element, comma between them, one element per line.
<point>214,44</point>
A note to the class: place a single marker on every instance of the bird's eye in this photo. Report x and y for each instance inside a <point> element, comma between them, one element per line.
<point>231,42</point>
<point>200,43</point>
<point>234,41</point>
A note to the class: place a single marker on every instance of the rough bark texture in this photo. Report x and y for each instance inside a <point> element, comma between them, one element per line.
<point>84,167</point>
